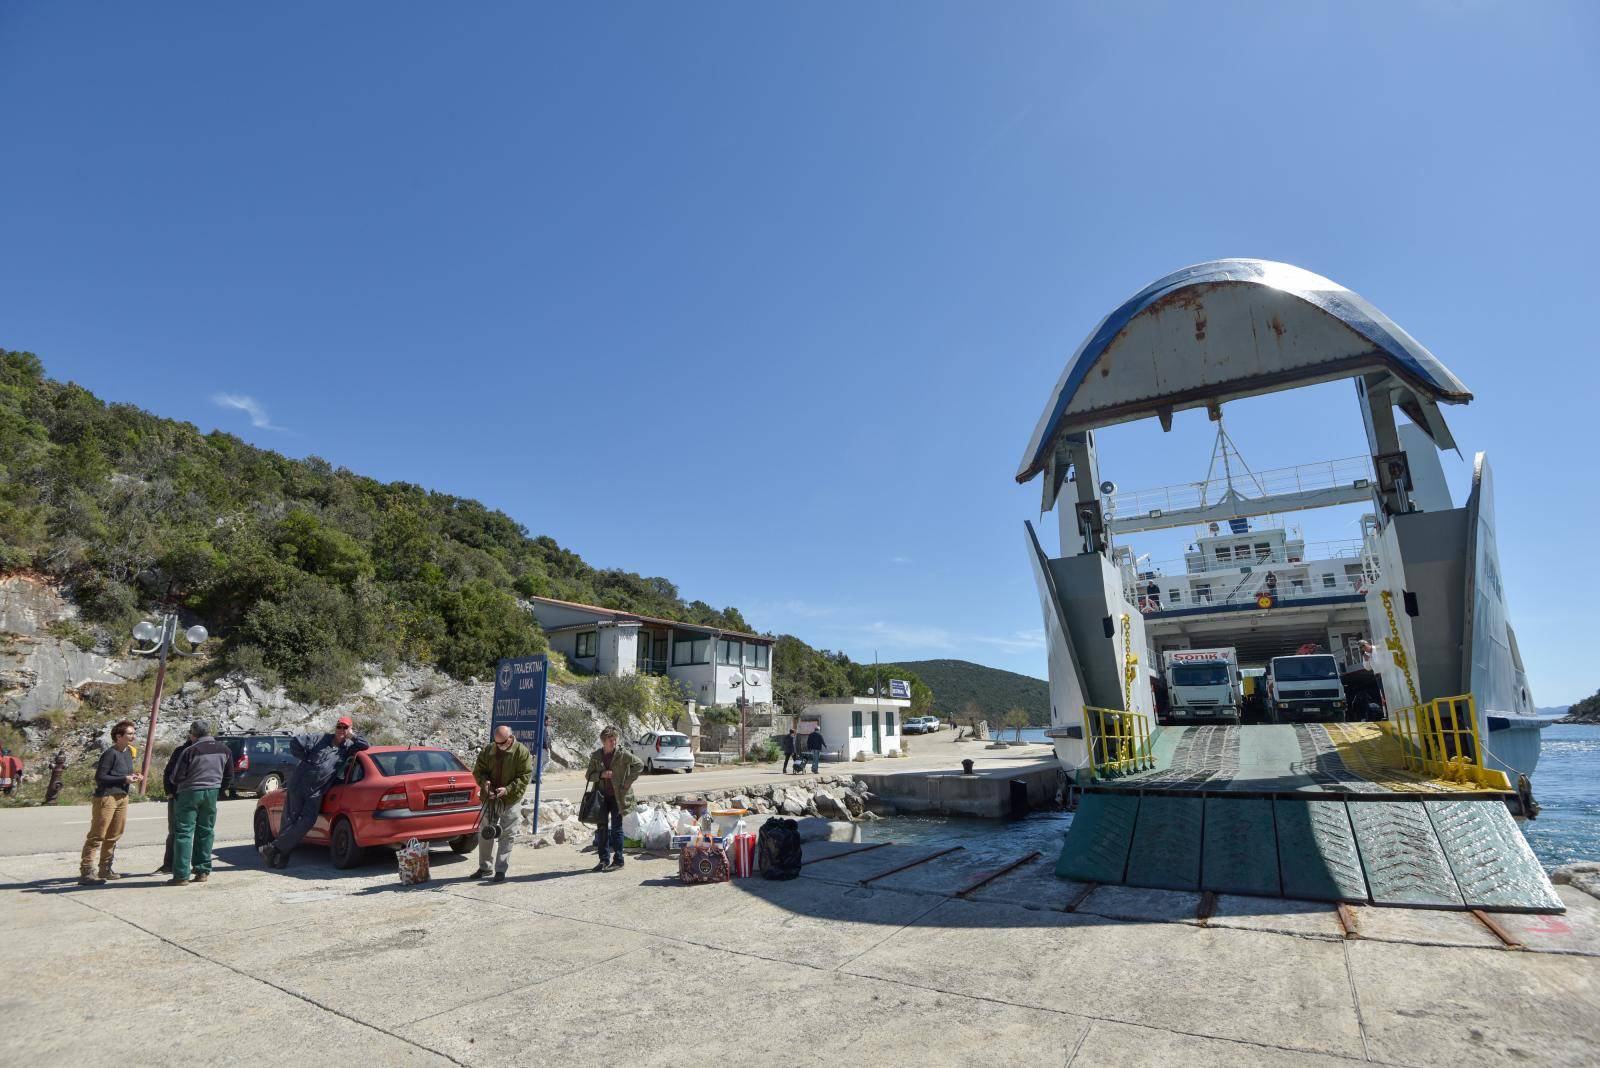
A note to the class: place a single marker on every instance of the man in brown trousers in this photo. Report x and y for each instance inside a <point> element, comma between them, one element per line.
<point>109,808</point>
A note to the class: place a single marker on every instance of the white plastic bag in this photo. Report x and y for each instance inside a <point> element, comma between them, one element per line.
<point>630,823</point>
<point>655,831</point>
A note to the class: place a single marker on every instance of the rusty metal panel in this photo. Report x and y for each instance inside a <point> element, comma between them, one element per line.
<point>1401,855</point>
<point>1096,848</point>
<point>1166,843</point>
<point>1317,854</point>
<point>1493,866</point>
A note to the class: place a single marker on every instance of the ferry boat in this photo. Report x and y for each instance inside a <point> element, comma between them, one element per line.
<point>1413,611</point>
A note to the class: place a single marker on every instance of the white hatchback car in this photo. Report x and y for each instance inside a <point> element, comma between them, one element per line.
<point>664,751</point>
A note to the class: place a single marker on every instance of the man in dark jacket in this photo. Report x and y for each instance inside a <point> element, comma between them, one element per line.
<point>791,750</point>
<point>203,771</point>
<point>814,746</point>
<point>322,757</point>
<point>503,771</point>
<point>108,811</point>
<point>171,791</point>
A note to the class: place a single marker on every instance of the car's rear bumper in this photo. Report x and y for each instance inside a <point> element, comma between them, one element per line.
<point>397,826</point>
<point>673,764</point>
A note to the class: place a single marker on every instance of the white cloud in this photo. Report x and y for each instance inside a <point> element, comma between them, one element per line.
<point>246,404</point>
<point>899,559</point>
<point>1022,641</point>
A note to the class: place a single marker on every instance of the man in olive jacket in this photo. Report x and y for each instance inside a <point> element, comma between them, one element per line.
<point>502,770</point>
<point>613,770</point>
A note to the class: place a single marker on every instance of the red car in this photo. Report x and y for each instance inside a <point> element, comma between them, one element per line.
<point>387,795</point>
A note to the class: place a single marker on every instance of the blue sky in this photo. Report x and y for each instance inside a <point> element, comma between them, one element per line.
<point>767,298</point>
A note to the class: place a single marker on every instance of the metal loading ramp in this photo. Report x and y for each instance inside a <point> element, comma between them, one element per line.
<point>1447,852</point>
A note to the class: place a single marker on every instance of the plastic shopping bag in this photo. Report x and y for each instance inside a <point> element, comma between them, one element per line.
<point>413,860</point>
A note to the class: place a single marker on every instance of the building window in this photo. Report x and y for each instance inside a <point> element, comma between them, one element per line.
<point>585,644</point>
<point>755,656</point>
<point>888,722</point>
<point>855,723</point>
<point>690,648</point>
<point>728,651</point>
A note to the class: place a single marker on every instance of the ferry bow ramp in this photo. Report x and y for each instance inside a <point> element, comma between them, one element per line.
<point>1269,715</point>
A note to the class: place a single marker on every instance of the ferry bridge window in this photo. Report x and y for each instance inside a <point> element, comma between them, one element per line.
<point>1224,554</point>
<point>1263,550</point>
<point>1175,596</point>
<point>1202,592</point>
<point>1200,675</point>
<point>1329,582</point>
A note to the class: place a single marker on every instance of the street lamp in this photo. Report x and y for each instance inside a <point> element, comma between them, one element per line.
<point>742,681</point>
<point>161,639</point>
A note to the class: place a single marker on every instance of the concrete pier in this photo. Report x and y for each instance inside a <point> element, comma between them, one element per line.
<point>846,964</point>
<point>986,792</point>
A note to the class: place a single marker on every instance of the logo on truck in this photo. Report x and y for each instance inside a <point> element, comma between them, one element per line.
<point>1203,658</point>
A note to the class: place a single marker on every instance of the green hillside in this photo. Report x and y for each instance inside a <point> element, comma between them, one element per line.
<point>957,682</point>
<point>302,569</point>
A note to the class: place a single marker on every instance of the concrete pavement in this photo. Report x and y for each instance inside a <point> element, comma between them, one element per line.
<point>557,964</point>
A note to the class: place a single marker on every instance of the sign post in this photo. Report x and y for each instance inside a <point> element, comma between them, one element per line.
<point>519,697</point>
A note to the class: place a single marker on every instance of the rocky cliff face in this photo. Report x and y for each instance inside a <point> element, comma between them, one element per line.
<point>41,672</point>
<point>56,694</point>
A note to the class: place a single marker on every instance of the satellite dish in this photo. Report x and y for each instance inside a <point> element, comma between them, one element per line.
<point>1108,487</point>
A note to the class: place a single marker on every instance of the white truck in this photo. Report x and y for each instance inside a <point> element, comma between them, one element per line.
<point>1202,684</point>
<point>1305,687</point>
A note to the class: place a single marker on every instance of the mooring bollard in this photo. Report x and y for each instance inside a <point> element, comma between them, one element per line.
<point>58,768</point>
<point>966,766</point>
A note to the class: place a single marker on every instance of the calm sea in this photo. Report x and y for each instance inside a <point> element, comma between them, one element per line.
<point>1566,784</point>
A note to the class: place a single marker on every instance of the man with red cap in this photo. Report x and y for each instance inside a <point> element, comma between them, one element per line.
<point>322,758</point>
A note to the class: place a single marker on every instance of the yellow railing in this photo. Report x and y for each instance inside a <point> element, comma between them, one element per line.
<point>1439,739</point>
<point>1119,742</point>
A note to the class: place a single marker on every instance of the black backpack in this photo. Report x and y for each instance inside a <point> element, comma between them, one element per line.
<point>778,849</point>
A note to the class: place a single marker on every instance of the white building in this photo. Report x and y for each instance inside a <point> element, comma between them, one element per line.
<point>718,667</point>
<point>852,725</point>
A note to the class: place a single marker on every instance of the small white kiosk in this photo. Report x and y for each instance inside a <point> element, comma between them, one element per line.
<point>852,725</point>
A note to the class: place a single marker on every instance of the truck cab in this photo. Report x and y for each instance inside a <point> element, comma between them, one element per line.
<point>1202,684</point>
<point>1305,687</point>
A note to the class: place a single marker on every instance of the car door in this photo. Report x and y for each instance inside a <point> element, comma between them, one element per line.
<point>333,801</point>
<point>645,747</point>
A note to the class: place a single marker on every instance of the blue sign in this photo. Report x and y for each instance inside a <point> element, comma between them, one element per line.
<point>519,695</point>
<point>900,688</point>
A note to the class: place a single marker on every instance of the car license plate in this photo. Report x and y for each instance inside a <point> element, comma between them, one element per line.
<point>448,797</point>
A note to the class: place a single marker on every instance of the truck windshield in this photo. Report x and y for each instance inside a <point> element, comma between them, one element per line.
<point>1200,675</point>
<point>1303,668</point>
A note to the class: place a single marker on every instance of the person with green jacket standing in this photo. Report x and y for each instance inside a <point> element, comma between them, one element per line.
<point>613,770</point>
<point>204,770</point>
<point>503,770</point>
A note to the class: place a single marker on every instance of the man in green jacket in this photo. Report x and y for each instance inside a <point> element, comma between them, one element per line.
<point>502,770</point>
<point>612,770</point>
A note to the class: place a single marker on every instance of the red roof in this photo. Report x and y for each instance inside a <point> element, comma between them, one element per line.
<point>616,613</point>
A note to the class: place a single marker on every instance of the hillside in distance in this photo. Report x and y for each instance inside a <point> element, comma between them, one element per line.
<point>302,570</point>
<point>994,690</point>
